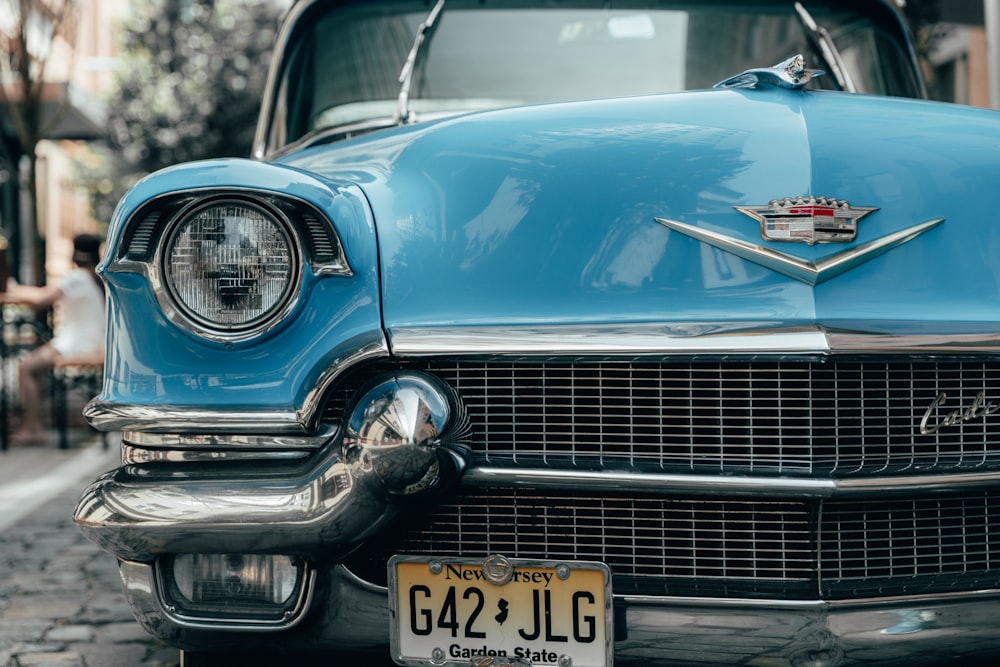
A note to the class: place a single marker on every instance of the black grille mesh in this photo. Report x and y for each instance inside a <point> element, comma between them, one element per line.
<point>836,419</point>
<point>713,547</point>
<point>911,545</point>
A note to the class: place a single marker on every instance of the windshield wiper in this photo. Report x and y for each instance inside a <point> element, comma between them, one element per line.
<point>403,113</point>
<point>822,42</point>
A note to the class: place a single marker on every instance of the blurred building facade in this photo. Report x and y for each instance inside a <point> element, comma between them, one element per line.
<point>78,74</point>
<point>959,63</point>
<point>88,73</point>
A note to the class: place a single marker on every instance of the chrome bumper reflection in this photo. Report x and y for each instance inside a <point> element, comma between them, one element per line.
<point>136,513</point>
<point>915,631</point>
<point>139,511</point>
<point>653,631</point>
<point>398,442</point>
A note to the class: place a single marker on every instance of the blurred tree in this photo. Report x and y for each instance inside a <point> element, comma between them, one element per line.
<point>29,31</point>
<point>923,16</point>
<point>189,86</point>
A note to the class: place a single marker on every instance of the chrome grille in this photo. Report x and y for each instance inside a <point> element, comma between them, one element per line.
<point>838,418</point>
<point>937,543</point>
<point>722,548</point>
<point>817,419</point>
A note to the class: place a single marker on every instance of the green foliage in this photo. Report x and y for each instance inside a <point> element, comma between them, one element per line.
<point>191,80</point>
<point>189,87</point>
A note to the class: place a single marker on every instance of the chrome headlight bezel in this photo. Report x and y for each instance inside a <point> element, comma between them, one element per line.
<point>318,250</point>
<point>181,311</point>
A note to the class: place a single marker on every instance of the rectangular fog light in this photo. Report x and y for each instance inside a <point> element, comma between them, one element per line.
<point>232,586</point>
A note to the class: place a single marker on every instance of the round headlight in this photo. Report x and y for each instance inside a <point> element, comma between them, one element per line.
<point>230,265</point>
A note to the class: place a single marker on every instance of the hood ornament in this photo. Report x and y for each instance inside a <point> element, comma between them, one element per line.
<point>792,74</point>
<point>807,220</point>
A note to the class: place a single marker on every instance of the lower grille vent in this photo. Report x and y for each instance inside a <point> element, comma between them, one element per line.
<point>904,546</point>
<point>723,548</point>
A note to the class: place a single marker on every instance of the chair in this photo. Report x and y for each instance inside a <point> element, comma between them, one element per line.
<point>83,374</point>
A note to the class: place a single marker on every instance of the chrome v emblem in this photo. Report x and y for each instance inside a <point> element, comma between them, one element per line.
<point>811,273</point>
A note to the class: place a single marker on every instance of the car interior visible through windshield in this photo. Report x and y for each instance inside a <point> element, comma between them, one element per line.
<point>346,65</point>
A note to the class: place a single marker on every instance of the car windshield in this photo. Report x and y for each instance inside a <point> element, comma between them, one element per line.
<point>343,65</point>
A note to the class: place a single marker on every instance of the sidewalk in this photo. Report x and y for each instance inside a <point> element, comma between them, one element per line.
<point>29,476</point>
<point>61,603</point>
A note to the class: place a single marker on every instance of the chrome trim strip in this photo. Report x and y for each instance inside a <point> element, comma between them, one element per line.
<point>140,440</point>
<point>655,600</point>
<point>811,273</point>
<point>312,406</point>
<point>771,487</point>
<point>108,416</point>
<point>271,109</point>
<point>343,571</point>
<point>633,339</point>
<point>681,338</point>
<point>237,428</point>
<point>136,455</point>
<point>988,342</point>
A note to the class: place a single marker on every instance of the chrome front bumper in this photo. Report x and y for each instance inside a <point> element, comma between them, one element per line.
<point>348,614</point>
<point>139,512</point>
<point>321,507</point>
<point>397,444</point>
<point>325,507</point>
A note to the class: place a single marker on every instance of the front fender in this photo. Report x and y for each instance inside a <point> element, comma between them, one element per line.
<point>154,363</point>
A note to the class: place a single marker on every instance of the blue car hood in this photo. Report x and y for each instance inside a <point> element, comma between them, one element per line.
<point>588,213</point>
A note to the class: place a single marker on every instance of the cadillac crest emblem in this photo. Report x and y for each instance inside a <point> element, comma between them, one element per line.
<point>808,220</point>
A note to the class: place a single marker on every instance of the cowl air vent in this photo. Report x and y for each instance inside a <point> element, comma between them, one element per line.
<point>140,241</point>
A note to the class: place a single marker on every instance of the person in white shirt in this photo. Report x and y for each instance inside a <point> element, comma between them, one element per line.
<point>79,334</point>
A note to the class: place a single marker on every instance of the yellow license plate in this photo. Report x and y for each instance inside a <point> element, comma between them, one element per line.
<point>447,611</point>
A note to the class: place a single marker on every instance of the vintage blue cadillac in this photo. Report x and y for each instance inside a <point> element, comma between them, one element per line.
<point>567,334</point>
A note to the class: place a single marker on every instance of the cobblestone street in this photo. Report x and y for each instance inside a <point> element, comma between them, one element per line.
<point>60,598</point>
